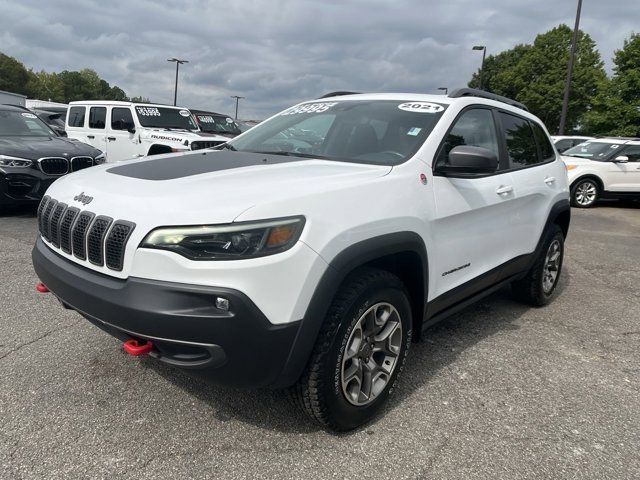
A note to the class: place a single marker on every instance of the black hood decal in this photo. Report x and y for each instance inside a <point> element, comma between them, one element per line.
<point>179,166</point>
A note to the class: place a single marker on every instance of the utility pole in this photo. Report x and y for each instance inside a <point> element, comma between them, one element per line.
<point>178,63</point>
<point>567,83</point>
<point>237,99</point>
<point>484,53</point>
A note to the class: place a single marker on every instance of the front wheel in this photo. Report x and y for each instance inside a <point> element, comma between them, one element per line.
<point>584,193</point>
<point>359,353</point>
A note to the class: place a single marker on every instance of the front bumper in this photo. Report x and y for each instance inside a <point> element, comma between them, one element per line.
<point>19,186</point>
<point>237,347</point>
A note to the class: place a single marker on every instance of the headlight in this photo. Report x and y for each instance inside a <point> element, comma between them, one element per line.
<point>234,241</point>
<point>100,159</point>
<point>7,161</point>
<point>571,167</point>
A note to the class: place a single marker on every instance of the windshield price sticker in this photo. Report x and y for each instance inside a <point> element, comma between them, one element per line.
<point>29,115</point>
<point>206,119</point>
<point>421,107</point>
<point>184,113</point>
<point>309,108</point>
<point>148,111</point>
<point>229,120</point>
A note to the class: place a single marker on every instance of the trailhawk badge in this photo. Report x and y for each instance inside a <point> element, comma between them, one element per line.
<point>83,199</point>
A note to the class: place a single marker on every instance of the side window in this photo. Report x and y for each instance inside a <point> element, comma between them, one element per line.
<point>564,144</point>
<point>474,127</point>
<point>97,117</point>
<point>633,152</point>
<point>521,145</point>
<point>76,116</point>
<point>546,150</point>
<point>121,119</point>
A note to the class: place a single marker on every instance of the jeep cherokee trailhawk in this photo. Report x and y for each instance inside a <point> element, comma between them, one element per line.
<point>310,251</point>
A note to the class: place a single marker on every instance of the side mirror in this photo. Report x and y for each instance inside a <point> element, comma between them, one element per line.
<point>621,159</point>
<point>131,129</point>
<point>467,159</point>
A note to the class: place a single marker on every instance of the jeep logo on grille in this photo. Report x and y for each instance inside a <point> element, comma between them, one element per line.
<point>83,199</point>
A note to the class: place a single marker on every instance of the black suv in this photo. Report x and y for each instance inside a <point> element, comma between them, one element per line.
<point>218,123</point>
<point>32,156</point>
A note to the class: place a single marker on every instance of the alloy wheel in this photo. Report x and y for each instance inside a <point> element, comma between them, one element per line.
<point>372,354</point>
<point>586,193</point>
<point>551,266</point>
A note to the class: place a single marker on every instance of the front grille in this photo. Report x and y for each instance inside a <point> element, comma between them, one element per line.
<point>65,228</point>
<point>54,224</point>
<point>95,240</point>
<point>116,242</point>
<point>78,163</point>
<point>100,240</point>
<point>199,145</point>
<point>54,165</point>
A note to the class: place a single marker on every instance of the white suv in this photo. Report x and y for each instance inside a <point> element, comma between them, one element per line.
<point>124,130</point>
<point>606,167</point>
<point>311,250</point>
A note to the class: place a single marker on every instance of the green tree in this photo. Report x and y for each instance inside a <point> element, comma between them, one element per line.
<point>616,109</point>
<point>14,77</point>
<point>535,75</point>
<point>46,86</point>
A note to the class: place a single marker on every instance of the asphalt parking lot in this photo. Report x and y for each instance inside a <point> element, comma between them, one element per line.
<point>497,391</point>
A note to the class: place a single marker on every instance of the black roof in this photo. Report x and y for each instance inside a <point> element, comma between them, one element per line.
<point>474,92</point>
<point>205,112</point>
<point>15,108</point>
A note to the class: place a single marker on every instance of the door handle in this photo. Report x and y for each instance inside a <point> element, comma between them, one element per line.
<point>111,139</point>
<point>91,136</point>
<point>504,189</point>
<point>550,180</point>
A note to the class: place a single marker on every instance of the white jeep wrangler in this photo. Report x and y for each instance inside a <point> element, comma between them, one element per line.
<point>124,130</point>
<point>311,250</point>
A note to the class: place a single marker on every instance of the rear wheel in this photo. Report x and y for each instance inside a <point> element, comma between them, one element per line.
<point>359,353</point>
<point>584,193</point>
<point>538,286</point>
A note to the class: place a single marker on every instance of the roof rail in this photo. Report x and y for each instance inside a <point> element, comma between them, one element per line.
<point>17,106</point>
<point>338,94</point>
<point>474,92</point>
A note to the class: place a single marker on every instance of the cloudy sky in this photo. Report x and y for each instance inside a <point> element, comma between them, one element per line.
<point>278,52</point>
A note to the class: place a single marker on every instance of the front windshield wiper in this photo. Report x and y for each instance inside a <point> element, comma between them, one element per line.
<point>227,146</point>
<point>291,154</point>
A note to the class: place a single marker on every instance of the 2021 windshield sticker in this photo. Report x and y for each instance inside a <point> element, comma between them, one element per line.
<point>29,115</point>
<point>148,111</point>
<point>309,108</point>
<point>184,113</point>
<point>421,107</point>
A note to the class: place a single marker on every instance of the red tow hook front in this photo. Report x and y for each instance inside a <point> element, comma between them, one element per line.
<point>41,287</point>
<point>135,347</point>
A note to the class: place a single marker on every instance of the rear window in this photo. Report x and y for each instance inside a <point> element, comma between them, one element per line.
<point>76,116</point>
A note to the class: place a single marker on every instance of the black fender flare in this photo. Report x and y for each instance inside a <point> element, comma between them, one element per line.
<point>344,263</point>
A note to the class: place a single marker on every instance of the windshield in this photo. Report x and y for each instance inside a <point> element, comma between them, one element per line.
<point>599,151</point>
<point>382,132</point>
<point>165,117</point>
<point>217,124</point>
<point>23,124</point>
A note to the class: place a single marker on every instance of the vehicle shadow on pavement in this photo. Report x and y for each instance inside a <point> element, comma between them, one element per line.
<point>439,347</point>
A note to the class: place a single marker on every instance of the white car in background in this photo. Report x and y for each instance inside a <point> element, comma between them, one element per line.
<point>606,167</point>
<point>124,130</point>
<point>565,142</point>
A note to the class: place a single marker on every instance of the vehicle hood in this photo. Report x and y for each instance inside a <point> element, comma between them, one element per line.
<point>33,148</point>
<point>205,187</point>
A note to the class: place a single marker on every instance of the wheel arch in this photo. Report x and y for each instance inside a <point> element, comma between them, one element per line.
<point>158,148</point>
<point>591,176</point>
<point>402,253</point>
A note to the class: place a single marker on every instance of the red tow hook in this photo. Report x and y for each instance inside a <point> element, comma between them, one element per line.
<point>41,287</point>
<point>135,347</point>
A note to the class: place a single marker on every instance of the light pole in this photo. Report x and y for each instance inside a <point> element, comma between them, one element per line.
<point>484,53</point>
<point>567,83</point>
<point>446,90</point>
<point>178,63</point>
<point>237,100</point>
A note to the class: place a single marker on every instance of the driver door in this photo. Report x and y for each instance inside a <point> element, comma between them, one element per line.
<point>122,144</point>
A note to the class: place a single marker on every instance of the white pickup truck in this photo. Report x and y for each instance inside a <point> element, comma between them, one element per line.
<point>124,130</point>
